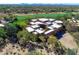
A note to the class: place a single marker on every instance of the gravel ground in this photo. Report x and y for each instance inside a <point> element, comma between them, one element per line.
<point>68,41</point>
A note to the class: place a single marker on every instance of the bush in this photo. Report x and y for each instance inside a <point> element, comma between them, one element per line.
<point>2,42</point>
<point>24,37</point>
<point>71,52</point>
<point>2,33</point>
<point>52,39</point>
<point>59,49</point>
<point>35,53</point>
<point>10,29</point>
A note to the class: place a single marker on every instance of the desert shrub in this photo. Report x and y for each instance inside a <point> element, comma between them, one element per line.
<point>35,53</point>
<point>71,52</point>
<point>2,42</point>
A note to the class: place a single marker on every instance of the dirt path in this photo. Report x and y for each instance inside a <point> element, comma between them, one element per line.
<point>68,41</point>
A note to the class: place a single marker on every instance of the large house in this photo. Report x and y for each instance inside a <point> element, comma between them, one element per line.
<point>45,26</point>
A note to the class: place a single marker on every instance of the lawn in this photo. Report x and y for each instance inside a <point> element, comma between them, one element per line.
<point>56,16</point>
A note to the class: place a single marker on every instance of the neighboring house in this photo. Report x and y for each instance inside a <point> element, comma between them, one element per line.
<point>2,25</point>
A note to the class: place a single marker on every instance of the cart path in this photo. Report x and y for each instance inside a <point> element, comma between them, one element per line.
<point>68,41</point>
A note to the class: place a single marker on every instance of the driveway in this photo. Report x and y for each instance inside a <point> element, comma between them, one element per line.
<point>68,41</point>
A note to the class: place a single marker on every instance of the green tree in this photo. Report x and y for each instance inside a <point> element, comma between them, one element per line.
<point>56,45</point>
<point>11,29</point>
<point>52,39</point>
<point>10,18</point>
<point>2,33</point>
<point>21,23</point>
<point>24,37</point>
